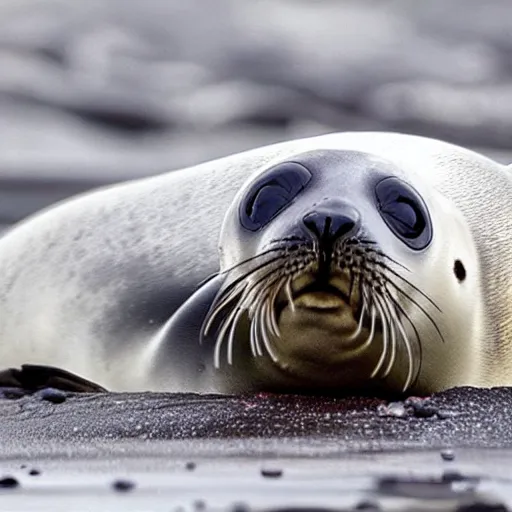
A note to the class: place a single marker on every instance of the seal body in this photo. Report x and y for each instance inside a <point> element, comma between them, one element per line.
<point>111,285</point>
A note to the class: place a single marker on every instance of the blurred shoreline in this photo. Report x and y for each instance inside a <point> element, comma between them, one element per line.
<point>97,92</point>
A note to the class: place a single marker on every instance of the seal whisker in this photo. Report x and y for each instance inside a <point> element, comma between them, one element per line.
<point>289,293</point>
<point>407,345</point>
<point>266,312</point>
<point>419,306</point>
<point>221,335</point>
<point>246,275</point>
<point>254,341</point>
<point>266,341</point>
<point>230,324</point>
<point>252,345</point>
<point>392,330</point>
<point>372,328</point>
<point>215,310</point>
<point>231,337</point>
<point>384,322</point>
<point>364,242</point>
<point>261,289</point>
<point>413,286</point>
<point>234,290</point>
<point>256,334</point>
<point>359,327</point>
<point>351,287</point>
<point>272,307</point>
<point>246,295</point>
<point>249,260</point>
<point>410,360</point>
<point>401,310</point>
<point>360,322</point>
<point>256,321</point>
<point>257,316</point>
<point>379,302</point>
<point>373,316</point>
<point>289,241</point>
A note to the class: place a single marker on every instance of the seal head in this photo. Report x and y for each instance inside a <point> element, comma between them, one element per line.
<point>323,282</point>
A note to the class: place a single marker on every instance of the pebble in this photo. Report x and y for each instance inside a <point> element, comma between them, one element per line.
<point>367,505</point>
<point>447,454</point>
<point>55,396</point>
<point>454,477</point>
<point>423,409</point>
<point>394,409</point>
<point>12,393</point>
<point>123,485</point>
<point>272,472</point>
<point>443,414</point>
<point>200,505</point>
<point>478,506</point>
<point>240,507</point>
<point>8,482</point>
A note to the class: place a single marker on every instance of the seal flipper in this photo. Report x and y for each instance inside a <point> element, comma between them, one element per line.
<point>186,323</point>
<point>33,377</point>
<point>178,353</point>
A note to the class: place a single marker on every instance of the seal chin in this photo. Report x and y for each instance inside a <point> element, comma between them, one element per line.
<point>322,347</point>
<point>322,341</point>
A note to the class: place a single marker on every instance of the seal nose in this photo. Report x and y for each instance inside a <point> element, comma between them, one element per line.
<point>328,225</point>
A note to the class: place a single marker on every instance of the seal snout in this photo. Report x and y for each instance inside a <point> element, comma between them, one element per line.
<point>330,223</point>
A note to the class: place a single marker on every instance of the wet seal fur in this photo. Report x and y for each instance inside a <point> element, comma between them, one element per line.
<point>365,261</point>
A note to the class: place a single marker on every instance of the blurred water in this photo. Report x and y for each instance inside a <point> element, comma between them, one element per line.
<point>106,90</point>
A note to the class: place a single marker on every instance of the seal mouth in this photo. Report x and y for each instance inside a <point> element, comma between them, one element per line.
<point>320,297</point>
<point>319,294</point>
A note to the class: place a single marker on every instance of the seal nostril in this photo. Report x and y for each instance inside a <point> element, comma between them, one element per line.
<point>344,227</point>
<point>311,222</point>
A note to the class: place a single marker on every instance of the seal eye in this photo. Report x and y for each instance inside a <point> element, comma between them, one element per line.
<point>273,192</point>
<point>405,212</point>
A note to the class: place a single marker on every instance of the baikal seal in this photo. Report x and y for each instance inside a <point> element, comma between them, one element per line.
<point>339,263</point>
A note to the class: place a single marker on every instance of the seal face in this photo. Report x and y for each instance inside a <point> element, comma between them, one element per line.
<point>309,285</point>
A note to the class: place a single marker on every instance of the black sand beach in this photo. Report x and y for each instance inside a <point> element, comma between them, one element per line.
<point>256,452</point>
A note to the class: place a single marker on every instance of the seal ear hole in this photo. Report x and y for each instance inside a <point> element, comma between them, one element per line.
<point>459,270</point>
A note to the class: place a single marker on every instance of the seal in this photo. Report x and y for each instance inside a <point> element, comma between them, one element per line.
<point>346,262</point>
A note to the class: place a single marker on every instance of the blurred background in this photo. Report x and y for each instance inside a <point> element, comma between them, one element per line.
<point>98,91</point>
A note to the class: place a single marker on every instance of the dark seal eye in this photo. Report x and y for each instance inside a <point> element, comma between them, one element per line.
<point>405,212</point>
<point>273,191</point>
